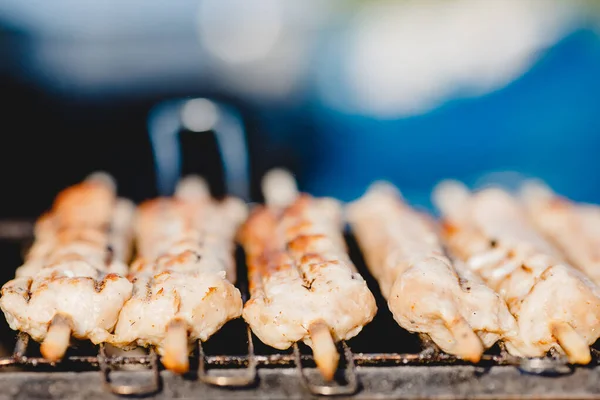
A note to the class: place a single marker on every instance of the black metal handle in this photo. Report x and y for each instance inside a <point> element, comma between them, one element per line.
<point>168,118</point>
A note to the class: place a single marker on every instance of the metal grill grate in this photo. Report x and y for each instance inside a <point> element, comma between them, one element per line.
<point>246,366</point>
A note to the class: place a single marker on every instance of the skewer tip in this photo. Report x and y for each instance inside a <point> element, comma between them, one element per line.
<point>384,188</point>
<point>572,343</point>
<point>534,190</point>
<point>124,208</point>
<point>123,214</point>
<point>176,354</point>
<point>467,343</point>
<point>103,178</point>
<point>191,188</point>
<point>279,188</point>
<point>324,350</point>
<point>57,339</point>
<point>449,195</point>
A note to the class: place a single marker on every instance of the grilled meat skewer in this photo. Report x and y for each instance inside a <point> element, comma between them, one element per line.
<point>183,288</point>
<point>66,287</point>
<point>572,227</point>
<point>555,305</point>
<point>426,291</point>
<point>303,285</point>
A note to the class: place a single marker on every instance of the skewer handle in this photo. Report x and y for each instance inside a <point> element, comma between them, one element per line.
<point>169,117</point>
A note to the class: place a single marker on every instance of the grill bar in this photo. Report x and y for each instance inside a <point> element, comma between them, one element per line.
<point>229,381</point>
<point>288,360</point>
<point>128,389</point>
<point>251,361</point>
<point>279,360</point>
<point>351,378</point>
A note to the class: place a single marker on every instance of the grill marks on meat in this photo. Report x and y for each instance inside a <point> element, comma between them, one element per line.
<point>277,275</point>
<point>426,291</point>
<point>554,304</point>
<point>183,278</point>
<point>66,288</point>
<point>302,283</point>
<point>18,287</point>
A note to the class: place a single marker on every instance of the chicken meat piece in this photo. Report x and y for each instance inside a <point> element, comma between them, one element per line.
<point>303,285</point>
<point>87,204</point>
<point>121,234</point>
<point>555,305</point>
<point>70,296</point>
<point>572,227</point>
<point>44,234</point>
<point>183,283</point>
<point>425,291</point>
<point>77,227</point>
<point>67,286</point>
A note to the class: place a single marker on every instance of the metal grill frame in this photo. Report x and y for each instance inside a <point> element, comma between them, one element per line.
<point>552,365</point>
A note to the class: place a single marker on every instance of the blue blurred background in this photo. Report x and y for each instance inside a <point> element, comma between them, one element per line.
<point>340,92</point>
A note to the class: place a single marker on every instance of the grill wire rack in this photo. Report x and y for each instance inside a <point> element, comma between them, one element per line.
<point>248,364</point>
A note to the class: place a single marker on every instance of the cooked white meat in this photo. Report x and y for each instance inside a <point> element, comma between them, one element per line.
<point>66,232</point>
<point>88,204</point>
<point>425,291</point>
<point>71,296</point>
<point>66,287</point>
<point>120,239</point>
<point>160,224</point>
<point>183,282</point>
<point>573,227</point>
<point>76,225</point>
<point>303,285</point>
<point>44,242</point>
<point>555,305</point>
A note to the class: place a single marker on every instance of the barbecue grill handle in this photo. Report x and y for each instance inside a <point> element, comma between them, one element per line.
<point>168,118</point>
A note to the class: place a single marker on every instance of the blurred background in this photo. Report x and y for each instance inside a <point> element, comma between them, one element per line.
<point>340,92</point>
